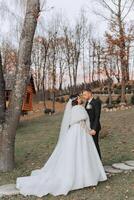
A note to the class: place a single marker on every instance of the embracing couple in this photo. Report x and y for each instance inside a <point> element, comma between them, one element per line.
<point>76,160</point>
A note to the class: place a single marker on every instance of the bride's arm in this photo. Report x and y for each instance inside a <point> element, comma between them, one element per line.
<point>84,125</point>
<point>79,115</point>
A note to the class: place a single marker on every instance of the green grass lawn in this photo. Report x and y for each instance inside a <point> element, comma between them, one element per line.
<point>36,140</point>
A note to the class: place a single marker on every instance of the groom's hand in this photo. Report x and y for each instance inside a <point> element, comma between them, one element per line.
<point>92,132</point>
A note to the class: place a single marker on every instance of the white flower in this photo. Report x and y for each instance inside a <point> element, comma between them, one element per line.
<point>89,106</point>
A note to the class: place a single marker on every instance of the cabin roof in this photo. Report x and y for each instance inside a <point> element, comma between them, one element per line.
<point>9,80</point>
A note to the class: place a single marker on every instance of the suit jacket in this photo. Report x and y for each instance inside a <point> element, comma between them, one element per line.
<point>94,112</point>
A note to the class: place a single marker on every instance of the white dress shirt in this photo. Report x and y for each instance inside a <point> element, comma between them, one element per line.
<point>89,101</point>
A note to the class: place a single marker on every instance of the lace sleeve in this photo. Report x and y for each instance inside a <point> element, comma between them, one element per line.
<point>84,126</point>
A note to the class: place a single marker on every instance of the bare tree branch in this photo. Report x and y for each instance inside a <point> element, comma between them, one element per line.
<point>101,15</point>
<point>124,6</point>
<point>128,10</point>
<point>106,5</point>
<point>113,1</point>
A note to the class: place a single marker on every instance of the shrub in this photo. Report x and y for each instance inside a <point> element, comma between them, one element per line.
<point>49,111</point>
<point>57,99</point>
<point>62,100</point>
<point>110,106</point>
<point>105,92</point>
<point>115,86</point>
<point>67,99</point>
<point>119,87</point>
<point>49,98</point>
<point>107,100</point>
<point>128,91</point>
<point>118,100</point>
<point>117,91</point>
<point>105,88</point>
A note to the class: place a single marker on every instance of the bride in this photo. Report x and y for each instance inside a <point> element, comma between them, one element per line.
<point>74,164</point>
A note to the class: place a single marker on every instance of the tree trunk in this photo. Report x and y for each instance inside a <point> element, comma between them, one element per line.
<point>44,93</point>
<point>109,84</point>
<point>84,70</point>
<point>127,67</point>
<point>61,73</point>
<point>2,93</point>
<point>109,92</point>
<point>123,91</point>
<point>75,69</point>
<point>8,131</point>
<point>44,83</point>
<point>53,102</point>
<point>122,53</point>
<point>54,83</point>
<point>98,63</point>
<point>93,62</point>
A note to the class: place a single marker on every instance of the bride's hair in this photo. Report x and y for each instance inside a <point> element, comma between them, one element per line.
<point>74,99</point>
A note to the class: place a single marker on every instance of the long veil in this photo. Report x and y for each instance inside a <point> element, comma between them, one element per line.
<point>66,120</point>
<point>64,128</point>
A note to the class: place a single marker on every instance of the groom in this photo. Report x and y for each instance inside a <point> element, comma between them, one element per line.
<point>93,108</point>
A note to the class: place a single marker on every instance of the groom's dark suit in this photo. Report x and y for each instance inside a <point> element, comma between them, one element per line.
<point>94,110</point>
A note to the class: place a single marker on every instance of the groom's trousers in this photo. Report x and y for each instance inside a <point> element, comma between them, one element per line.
<point>96,141</point>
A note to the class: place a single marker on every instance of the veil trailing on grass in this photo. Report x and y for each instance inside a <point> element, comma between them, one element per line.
<point>66,120</point>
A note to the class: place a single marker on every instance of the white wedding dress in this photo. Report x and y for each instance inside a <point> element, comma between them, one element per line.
<point>73,165</point>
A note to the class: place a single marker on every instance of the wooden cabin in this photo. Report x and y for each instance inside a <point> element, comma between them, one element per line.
<point>28,98</point>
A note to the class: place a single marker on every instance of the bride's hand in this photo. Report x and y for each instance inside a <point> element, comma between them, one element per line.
<point>92,132</point>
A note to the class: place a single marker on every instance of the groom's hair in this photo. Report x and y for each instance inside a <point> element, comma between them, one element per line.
<point>87,89</point>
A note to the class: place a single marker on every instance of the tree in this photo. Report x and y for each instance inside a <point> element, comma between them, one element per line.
<point>45,43</point>
<point>84,40</point>
<point>89,52</point>
<point>76,41</point>
<point>69,52</point>
<point>98,52</point>
<point>11,118</point>
<point>93,56</point>
<point>119,10</point>
<point>40,64</point>
<point>53,65</point>
<point>37,60</point>
<point>107,63</point>
<point>2,94</point>
<point>62,64</point>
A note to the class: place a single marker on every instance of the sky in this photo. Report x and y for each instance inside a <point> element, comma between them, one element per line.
<point>71,9</point>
